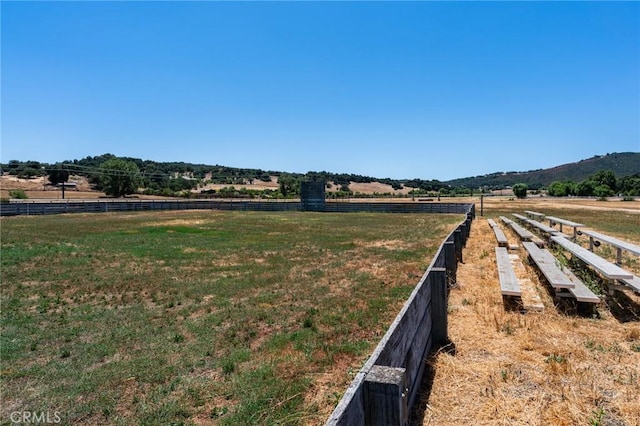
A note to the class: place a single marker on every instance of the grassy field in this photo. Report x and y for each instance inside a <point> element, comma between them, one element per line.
<point>200,317</point>
<point>553,367</point>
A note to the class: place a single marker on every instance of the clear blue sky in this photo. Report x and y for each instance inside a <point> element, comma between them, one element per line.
<point>432,90</point>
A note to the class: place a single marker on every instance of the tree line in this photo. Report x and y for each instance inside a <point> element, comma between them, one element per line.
<point>601,184</point>
<point>120,176</point>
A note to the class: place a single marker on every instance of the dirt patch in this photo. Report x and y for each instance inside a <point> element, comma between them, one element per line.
<point>533,203</point>
<point>371,188</point>
<point>388,244</point>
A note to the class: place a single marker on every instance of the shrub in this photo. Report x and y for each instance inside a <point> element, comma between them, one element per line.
<point>520,190</point>
<point>18,193</point>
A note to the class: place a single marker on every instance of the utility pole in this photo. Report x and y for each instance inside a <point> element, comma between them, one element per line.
<point>63,182</point>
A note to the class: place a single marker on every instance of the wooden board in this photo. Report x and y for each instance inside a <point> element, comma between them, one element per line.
<point>500,237</point>
<point>522,233</point>
<point>509,284</point>
<point>564,221</point>
<point>536,214</point>
<point>606,268</point>
<point>581,292</point>
<point>634,283</point>
<point>544,228</point>
<point>625,245</point>
<point>548,265</point>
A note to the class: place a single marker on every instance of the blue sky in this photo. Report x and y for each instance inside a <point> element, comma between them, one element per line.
<point>432,90</point>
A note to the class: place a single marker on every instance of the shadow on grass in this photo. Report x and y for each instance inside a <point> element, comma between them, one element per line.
<point>622,307</point>
<point>416,416</point>
<point>572,308</point>
<point>512,303</point>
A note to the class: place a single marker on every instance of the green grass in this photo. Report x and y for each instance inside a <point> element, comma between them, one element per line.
<point>178,317</point>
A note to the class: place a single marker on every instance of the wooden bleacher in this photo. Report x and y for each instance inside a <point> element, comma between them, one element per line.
<point>553,220</point>
<point>538,225</point>
<point>562,280</point>
<point>618,244</point>
<point>522,233</point>
<point>509,284</point>
<point>547,264</point>
<point>604,267</point>
<point>535,215</point>
<point>542,227</point>
<point>500,236</point>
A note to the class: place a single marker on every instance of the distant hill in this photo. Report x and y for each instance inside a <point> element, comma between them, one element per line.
<point>622,164</point>
<point>173,177</point>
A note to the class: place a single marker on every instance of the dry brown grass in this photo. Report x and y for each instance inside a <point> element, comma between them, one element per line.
<point>530,369</point>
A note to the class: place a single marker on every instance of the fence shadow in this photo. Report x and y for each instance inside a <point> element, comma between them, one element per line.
<point>622,307</point>
<point>418,412</point>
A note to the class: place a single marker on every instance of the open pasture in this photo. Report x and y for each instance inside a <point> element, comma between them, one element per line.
<point>200,317</point>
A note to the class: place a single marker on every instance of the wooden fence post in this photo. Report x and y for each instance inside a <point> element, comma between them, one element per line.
<point>458,243</point>
<point>439,302</point>
<point>450,262</point>
<point>385,397</point>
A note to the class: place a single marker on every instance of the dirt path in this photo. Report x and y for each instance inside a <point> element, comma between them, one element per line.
<point>530,369</point>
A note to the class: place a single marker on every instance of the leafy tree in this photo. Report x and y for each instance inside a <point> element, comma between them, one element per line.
<point>630,185</point>
<point>520,190</point>
<point>57,174</point>
<point>603,191</point>
<point>561,189</point>
<point>586,188</point>
<point>605,177</point>
<point>24,169</point>
<point>119,177</point>
<point>289,185</point>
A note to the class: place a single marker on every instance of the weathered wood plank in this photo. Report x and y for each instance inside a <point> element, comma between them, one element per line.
<point>625,245</point>
<point>544,228</point>
<point>522,233</point>
<point>439,302</point>
<point>549,266</point>
<point>535,215</point>
<point>508,281</point>
<point>606,268</point>
<point>501,238</point>
<point>553,219</point>
<point>634,283</point>
<point>580,291</point>
<point>506,220</point>
<point>404,328</point>
<point>519,216</point>
<point>416,357</point>
<point>385,399</point>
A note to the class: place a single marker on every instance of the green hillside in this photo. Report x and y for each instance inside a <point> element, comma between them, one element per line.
<point>622,164</point>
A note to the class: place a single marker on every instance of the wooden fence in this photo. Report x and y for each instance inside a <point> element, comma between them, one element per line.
<point>103,206</point>
<point>385,390</point>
